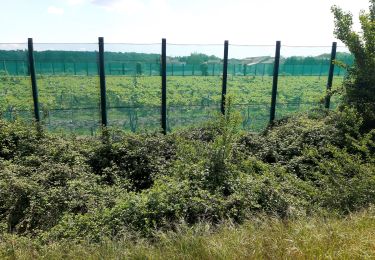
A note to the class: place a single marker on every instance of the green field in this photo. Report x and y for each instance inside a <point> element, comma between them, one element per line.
<point>71,103</point>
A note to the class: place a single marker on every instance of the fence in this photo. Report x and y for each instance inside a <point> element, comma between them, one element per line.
<point>78,87</point>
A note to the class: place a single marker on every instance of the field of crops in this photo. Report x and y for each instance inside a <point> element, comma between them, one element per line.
<point>71,103</point>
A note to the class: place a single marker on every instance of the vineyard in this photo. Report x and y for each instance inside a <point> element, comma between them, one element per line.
<point>71,87</point>
<point>71,103</point>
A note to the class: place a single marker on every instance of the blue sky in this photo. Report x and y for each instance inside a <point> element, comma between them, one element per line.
<point>294,22</point>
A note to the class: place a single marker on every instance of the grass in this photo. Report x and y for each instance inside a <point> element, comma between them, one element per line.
<point>352,237</point>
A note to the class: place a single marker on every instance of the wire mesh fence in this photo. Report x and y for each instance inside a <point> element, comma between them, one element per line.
<point>69,89</point>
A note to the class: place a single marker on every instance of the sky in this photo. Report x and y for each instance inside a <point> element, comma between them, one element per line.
<point>248,22</point>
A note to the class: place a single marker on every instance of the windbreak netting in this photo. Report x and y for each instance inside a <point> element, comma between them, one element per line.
<point>303,77</point>
<point>193,83</point>
<point>250,70</point>
<point>133,86</point>
<point>15,85</point>
<point>68,82</point>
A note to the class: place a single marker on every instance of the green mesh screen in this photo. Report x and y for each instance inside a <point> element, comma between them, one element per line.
<point>303,77</point>
<point>193,83</point>
<point>133,86</point>
<point>69,92</point>
<point>68,83</point>
<point>15,85</point>
<point>250,71</point>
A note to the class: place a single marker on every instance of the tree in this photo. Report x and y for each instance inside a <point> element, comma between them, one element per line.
<point>359,85</point>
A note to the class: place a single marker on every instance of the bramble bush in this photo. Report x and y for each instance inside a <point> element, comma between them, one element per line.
<point>85,188</point>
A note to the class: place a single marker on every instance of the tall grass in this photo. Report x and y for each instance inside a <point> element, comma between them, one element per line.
<point>352,237</point>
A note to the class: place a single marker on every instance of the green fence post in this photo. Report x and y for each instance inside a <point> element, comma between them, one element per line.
<point>320,70</point>
<point>33,79</point>
<point>164,86</point>
<point>103,100</point>
<point>330,75</point>
<point>16,67</point>
<point>225,76</point>
<point>275,81</point>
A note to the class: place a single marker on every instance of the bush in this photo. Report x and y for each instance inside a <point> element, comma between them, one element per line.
<point>88,188</point>
<point>360,83</point>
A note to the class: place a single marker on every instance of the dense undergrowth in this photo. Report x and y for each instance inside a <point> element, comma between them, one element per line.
<point>54,188</point>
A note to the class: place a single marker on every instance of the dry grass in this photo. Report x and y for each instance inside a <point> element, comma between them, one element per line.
<point>352,237</point>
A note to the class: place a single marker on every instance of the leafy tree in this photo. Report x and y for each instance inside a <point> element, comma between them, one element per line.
<point>359,85</point>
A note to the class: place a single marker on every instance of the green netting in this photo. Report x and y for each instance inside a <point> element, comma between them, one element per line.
<point>69,94</point>
<point>307,90</point>
<point>196,96</point>
<point>133,86</point>
<point>250,83</point>
<point>15,87</point>
<point>68,91</point>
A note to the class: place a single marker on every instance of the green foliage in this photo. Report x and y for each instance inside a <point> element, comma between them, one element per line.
<point>134,160</point>
<point>260,237</point>
<point>133,102</point>
<point>345,180</point>
<point>84,188</point>
<point>360,82</point>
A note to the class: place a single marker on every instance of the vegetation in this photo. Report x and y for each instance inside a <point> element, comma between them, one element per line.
<point>134,101</point>
<point>258,238</point>
<point>360,83</point>
<point>51,188</point>
<point>302,188</point>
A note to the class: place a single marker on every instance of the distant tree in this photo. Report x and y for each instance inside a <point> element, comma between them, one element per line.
<point>359,85</point>
<point>196,58</point>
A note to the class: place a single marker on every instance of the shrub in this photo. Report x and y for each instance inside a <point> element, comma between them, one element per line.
<point>360,83</point>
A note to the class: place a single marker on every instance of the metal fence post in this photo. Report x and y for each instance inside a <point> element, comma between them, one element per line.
<point>164,86</point>
<point>225,77</point>
<point>275,81</point>
<point>103,101</point>
<point>330,75</point>
<point>33,79</point>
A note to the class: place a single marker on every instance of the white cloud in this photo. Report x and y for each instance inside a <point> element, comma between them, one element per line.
<point>121,6</point>
<point>55,10</point>
<point>75,2</point>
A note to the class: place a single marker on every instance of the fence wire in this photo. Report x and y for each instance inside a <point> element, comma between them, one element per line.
<point>69,95</point>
